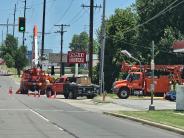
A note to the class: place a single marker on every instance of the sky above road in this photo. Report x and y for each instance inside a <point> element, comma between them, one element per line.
<point>57,12</point>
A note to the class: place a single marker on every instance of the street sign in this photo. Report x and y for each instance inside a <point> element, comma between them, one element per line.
<point>76,57</point>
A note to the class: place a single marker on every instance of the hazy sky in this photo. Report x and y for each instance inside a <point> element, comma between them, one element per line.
<point>57,12</point>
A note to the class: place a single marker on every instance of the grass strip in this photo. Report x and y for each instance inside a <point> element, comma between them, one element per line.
<point>167,117</point>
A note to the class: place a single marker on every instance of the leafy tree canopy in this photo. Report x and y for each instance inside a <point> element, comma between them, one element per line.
<point>80,43</point>
<point>13,55</point>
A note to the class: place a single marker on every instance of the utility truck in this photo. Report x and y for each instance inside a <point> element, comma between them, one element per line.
<point>139,80</point>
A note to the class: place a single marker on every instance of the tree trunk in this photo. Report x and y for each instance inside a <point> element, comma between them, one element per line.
<point>18,72</point>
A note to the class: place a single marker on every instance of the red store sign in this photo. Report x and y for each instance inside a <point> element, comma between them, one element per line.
<point>76,57</point>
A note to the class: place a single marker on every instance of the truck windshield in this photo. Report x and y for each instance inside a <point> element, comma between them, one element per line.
<point>131,77</point>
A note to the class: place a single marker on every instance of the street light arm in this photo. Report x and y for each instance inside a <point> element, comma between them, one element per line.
<point>137,61</point>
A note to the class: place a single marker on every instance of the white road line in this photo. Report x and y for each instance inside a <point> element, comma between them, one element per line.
<point>39,115</point>
<point>14,109</point>
<point>75,111</point>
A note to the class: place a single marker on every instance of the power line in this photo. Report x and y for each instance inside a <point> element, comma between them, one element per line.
<point>76,15</point>
<point>168,8</point>
<point>77,19</point>
<point>66,11</point>
<point>154,17</point>
<point>40,3</point>
<point>149,48</point>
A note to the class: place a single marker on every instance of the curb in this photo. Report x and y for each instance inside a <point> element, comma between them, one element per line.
<point>162,126</point>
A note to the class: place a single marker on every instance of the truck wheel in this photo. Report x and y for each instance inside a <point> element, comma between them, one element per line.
<point>42,92</point>
<point>123,93</point>
<point>48,93</point>
<point>24,91</point>
<point>66,96</point>
<point>70,95</point>
<point>90,96</point>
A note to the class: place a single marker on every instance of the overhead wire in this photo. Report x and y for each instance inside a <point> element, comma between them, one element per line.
<point>162,50</point>
<point>168,8</point>
<point>78,18</point>
<point>152,18</point>
<point>66,11</point>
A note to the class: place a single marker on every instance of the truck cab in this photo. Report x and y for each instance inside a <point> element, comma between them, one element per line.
<point>57,87</point>
<point>133,83</point>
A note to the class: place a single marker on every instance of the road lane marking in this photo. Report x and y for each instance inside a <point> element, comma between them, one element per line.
<point>11,109</point>
<point>74,111</point>
<point>39,115</point>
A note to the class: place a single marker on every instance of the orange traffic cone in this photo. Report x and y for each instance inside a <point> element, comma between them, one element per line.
<point>10,92</point>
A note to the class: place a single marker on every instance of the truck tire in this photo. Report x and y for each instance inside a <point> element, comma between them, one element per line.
<point>123,93</point>
<point>66,95</point>
<point>66,92</point>
<point>48,93</point>
<point>90,96</point>
<point>24,91</point>
<point>72,95</point>
<point>42,92</point>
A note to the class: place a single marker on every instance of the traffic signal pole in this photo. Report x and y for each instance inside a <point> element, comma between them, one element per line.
<point>14,21</point>
<point>23,37</point>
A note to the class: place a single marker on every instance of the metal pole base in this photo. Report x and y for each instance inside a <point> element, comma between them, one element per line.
<point>151,107</point>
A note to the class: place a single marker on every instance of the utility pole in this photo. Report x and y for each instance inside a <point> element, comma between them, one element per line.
<point>7,26</point>
<point>103,34</point>
<point>61,52</point>
<point>90,53</point>
<point>14,21</point>
<point>23,37</point>
<point>2,37</point>
<point>43,29</point>
<point>151,106</point>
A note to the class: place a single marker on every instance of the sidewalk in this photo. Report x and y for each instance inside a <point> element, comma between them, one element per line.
<point>93,105</point>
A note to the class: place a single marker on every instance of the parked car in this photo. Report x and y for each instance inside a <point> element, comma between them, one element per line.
<point>171,96</point>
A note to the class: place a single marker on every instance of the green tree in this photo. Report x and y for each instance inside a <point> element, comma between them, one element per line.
<point>20,59</point>
<point>116,41</point>
<point>155,29</point>
<point>8,50</point>
<point>80,43</point>
<point>164,50</point>
<point>13,55</point>
<point>9,60</point>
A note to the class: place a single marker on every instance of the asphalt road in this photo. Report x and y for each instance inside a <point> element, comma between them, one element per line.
<point>23,116</point>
